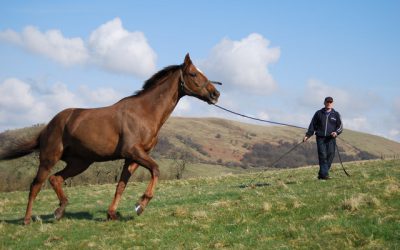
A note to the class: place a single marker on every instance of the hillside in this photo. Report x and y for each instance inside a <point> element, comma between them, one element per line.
<point>291,210</point>
<point>213,139</point>
<point>206,147</point>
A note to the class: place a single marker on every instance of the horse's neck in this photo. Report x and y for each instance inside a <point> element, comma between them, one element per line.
<point>163,99</point>
<point>160,101</point>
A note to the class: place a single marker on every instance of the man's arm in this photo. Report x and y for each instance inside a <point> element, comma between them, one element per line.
<point>339,125</point>
<point>311,128</point>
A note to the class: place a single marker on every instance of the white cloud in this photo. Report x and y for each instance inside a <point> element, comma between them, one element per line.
<point>51,44</point>
<point>21,104</point>
<point>16,103</point>
<point>353,107</point>
<point>243,64</point>
<point>316,91</point>
<point>296,118</point>
<point>60,97</point>
<point>15,95</point>
<point>100,96</point>
<point>345,99</point>
<point>117,49</point>
<point>263,115</point>
<point>359,123</point>
<point>110,46</point>
<point>11,37</point>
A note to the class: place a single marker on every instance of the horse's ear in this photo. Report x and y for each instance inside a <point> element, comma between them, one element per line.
<point>187,61</point>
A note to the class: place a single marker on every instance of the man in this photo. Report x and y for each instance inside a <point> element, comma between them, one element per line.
<point>327,125</point>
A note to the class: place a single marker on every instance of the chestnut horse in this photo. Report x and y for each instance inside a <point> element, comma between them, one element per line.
<point>126,130</point>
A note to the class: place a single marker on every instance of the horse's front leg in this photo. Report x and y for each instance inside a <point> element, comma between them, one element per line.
<point>128,169</point>
<point>140,156</point>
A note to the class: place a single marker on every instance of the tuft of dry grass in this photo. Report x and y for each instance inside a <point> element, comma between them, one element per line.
<point>357,201</point>
<point>352,204</point>
<point>327,217</point>
<point>280,206</point>
<point>392,188</point>
<point>180,212</point>
<point>335,230</point>
<point>266,207</point>
<point>282,185</point>
<point>297,204</point>
<point>218,245</point>
<point>221,204</point>
<point>53,240</point>
<point>199,215</point>
<point>372,201</point>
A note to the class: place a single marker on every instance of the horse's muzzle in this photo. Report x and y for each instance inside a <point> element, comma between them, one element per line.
<point>214,97</point>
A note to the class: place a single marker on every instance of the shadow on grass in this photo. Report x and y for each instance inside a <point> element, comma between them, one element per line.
<point>49,218</point>
<point>77,216</point>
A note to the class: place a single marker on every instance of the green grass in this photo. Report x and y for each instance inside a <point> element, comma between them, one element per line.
<point>294,210</point>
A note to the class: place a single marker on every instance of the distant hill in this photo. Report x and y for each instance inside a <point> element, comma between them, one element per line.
<point>233,143</point>
<point>215,146</point>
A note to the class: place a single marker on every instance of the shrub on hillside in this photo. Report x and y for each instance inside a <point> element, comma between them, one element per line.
<point>190,143</point>
<point>163,148</point>
<point>266,155</point>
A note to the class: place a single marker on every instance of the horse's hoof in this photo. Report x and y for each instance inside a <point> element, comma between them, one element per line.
<point>112,216</point>
<point>139,209</point>
<point>27,221</point>
<point>59,213</point>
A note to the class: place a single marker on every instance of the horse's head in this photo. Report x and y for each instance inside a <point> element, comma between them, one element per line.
<point>195,83</point>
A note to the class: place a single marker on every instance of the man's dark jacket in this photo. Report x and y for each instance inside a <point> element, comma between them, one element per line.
<point>323,123</point>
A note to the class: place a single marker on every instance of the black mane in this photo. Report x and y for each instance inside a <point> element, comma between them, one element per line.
<point>152,81</point>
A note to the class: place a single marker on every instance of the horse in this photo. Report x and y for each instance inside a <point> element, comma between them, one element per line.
<point>125,130</point>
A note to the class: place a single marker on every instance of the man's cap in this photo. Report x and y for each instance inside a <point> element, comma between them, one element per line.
<point>328,99</point>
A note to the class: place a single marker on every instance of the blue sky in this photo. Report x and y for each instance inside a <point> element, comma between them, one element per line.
<point>277,59</point>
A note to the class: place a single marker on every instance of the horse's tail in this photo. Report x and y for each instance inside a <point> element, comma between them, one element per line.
<point>20,148</point>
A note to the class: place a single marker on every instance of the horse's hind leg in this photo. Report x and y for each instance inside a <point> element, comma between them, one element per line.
<point>148,194</point>
<point>74,167</point>
<point>127,171</point>
<point>41,176</point>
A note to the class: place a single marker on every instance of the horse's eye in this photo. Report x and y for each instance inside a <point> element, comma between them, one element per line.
<point>192,74</point>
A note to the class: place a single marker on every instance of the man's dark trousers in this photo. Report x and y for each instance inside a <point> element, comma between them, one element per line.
<point>326,152</point>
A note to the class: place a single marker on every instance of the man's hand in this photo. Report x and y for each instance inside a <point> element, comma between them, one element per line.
<point>305,138</point>
<point>334,134</point>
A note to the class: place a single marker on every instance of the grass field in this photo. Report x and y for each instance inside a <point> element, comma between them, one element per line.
<point>292,209</point>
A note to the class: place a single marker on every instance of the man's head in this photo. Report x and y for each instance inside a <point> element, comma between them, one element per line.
<point>328,102</point>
